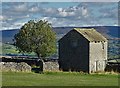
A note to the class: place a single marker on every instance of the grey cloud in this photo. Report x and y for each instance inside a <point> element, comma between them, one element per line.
<point>71,12</point>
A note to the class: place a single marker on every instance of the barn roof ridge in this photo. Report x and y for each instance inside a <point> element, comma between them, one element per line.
<point>90,34</point>
<point>84,28</point>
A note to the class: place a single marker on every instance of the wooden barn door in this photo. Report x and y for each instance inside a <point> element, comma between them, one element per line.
<point>97,65</point>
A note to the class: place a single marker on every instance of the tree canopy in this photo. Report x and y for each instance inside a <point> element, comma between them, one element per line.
<point>37,37</point>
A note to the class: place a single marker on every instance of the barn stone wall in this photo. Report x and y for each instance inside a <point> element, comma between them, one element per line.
<point>15,67</point>
<point>98,56</point>
<point>51,66</point>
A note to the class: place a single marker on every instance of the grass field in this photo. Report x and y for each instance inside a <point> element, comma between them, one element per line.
<point>58,79</point>
<point>10,49</point>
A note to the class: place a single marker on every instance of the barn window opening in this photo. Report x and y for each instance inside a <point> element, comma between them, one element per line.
<point>102,45</point>
<point>74,43</point>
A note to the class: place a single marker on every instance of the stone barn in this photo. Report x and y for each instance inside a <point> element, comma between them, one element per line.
<point>82,50</point>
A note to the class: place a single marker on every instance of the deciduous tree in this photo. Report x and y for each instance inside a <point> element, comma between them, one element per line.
<point>37,37</point>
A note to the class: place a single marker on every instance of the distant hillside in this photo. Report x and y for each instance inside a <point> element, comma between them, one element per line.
<point>8,35</point>
<point>107,31</point>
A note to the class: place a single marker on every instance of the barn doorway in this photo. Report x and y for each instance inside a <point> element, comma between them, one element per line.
<point>97,65</point>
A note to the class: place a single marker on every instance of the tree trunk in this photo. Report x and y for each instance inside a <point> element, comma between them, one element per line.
<point>41,65</point>
<point>40,62</point>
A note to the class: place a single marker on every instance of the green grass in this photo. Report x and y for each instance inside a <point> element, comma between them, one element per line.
<point>10,49</point>
<point>58,79</point>
<point>6,49</point>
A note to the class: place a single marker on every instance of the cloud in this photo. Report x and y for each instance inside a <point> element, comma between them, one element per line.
<point>15,25</point>
<point>111,13</point>
<point>84,11</point>
<point>2,18</point>
<point>21,8</point>
<point>51,12</point>
<point>56,21</point>
<point>19,24</point>
<point>82,14</point>
<point>64,13</point>
<point>72,11</point>
<point>34,9</point>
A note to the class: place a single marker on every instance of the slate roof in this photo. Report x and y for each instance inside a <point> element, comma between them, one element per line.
<point>91,34</point>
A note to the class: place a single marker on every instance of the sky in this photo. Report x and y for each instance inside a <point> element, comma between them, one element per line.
<point>59,14</point>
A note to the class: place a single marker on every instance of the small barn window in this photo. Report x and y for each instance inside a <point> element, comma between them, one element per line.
<point>74,43</point>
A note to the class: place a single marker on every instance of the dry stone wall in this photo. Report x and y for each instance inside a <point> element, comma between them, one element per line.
<point>15,67</point>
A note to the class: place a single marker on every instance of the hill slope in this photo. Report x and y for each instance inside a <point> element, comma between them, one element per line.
<point>107,31</point>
